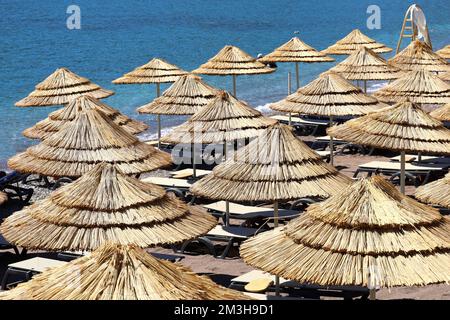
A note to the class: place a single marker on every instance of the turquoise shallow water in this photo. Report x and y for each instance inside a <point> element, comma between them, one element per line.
<point>117,36</point>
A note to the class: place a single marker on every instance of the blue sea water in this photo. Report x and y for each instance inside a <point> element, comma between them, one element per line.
<point>117,36</point>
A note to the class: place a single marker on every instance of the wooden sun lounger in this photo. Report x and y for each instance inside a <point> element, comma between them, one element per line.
<point>238,211</point>
<point>424,159</point>
<point>296,289</point>
<point>391,168</point>
<point>187,173</point>
<point>179,187</point>
<point>69,256</point>
<point>231,235</point>
<point>28,268</point>
<point>308,127</point>
<point>323,143</point>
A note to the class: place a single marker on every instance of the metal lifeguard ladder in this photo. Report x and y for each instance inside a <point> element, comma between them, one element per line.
<point>414,26</point>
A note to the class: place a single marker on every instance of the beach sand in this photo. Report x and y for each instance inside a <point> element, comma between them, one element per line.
<point>222,271</point>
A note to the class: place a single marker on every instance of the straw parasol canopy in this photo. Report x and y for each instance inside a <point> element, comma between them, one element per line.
<point>444,52</point>
<point>155,71</point>
<point>402,127</point>
<point>445,76</point>
<point>435,193</point>
<point>328,95</point>
<point>116,272</point>
<point>225,118</point>
<point>367,235</point>
<point>353,41</point>
<point>419,86</point>
<point>364,64</point>
<point>231,60</point>
<point>3,197</point>
<point>442,113</point>
<point>105,205</point>
<point>276,166</point>
<point>419,56</point>
<point>295,50</point>
<point>186,96</point>
<point>57,119</point>
<point>92,137</point>
<point>60,88</point>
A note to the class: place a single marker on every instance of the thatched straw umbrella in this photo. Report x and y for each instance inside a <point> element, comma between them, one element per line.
<point>403,127</point>
<point>3,197</point>
<point>367,235</point>
<point>419,56</point>
<point>353,41</point>
<point>115,272</point>
<point>92,137</point>
<point>224,119</point>
<point>295,50</point>
<point>364,64</point>
<point>105,205</point>
<point>156,71</point>
<point>57,119</point>
<point>186,96</point>
<point>419,86</point>
<point>444,52</point>
<point>442,113</point>
<point>231,60</point>
<point>60,88</point>
<point>329,95</point>
<point>445,76</point>
<point>276,166</point>
<point>435,193</point>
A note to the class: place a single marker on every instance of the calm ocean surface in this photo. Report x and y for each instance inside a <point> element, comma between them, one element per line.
<point>117,36</point>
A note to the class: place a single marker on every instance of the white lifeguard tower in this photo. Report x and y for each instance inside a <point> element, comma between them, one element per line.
<point>414,26</point>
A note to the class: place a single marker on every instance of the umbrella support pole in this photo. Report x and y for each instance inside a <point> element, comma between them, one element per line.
<point>275,223</point>
<point>158,93</point>
<point>297,75</point>
<point>289,92</point>
<point>331,144</point>
<point>365,86</point>
<point>194,168</point>
<point>234,85</point>
<point>372,294</point>
<point>227,203</point>
<point>402,172</point>
<point>158,118</point>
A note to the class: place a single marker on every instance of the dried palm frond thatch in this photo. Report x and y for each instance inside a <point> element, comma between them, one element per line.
<point>419,86</point>
<point>186,96</point>
<point>435,193</point>
<point>231,60</point>
<point>364,64</point>
<point>3,197</point>
<point>92,137</point>
<point>369,234</point>
<point>116,272</point>
<point>105,205</point>
<point>60,88</point>
<point>445,76</point>
<point>353,41</point>
<point>328,95</point>
<point>295,50</point>
<point>58,118</point>
<point>402,127</point>
<point>444,52</point>
<point>225,118</point>
<point>155,71</point>
<point>419,56</point>
<point>276,166</point>
<point>442,113</point>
